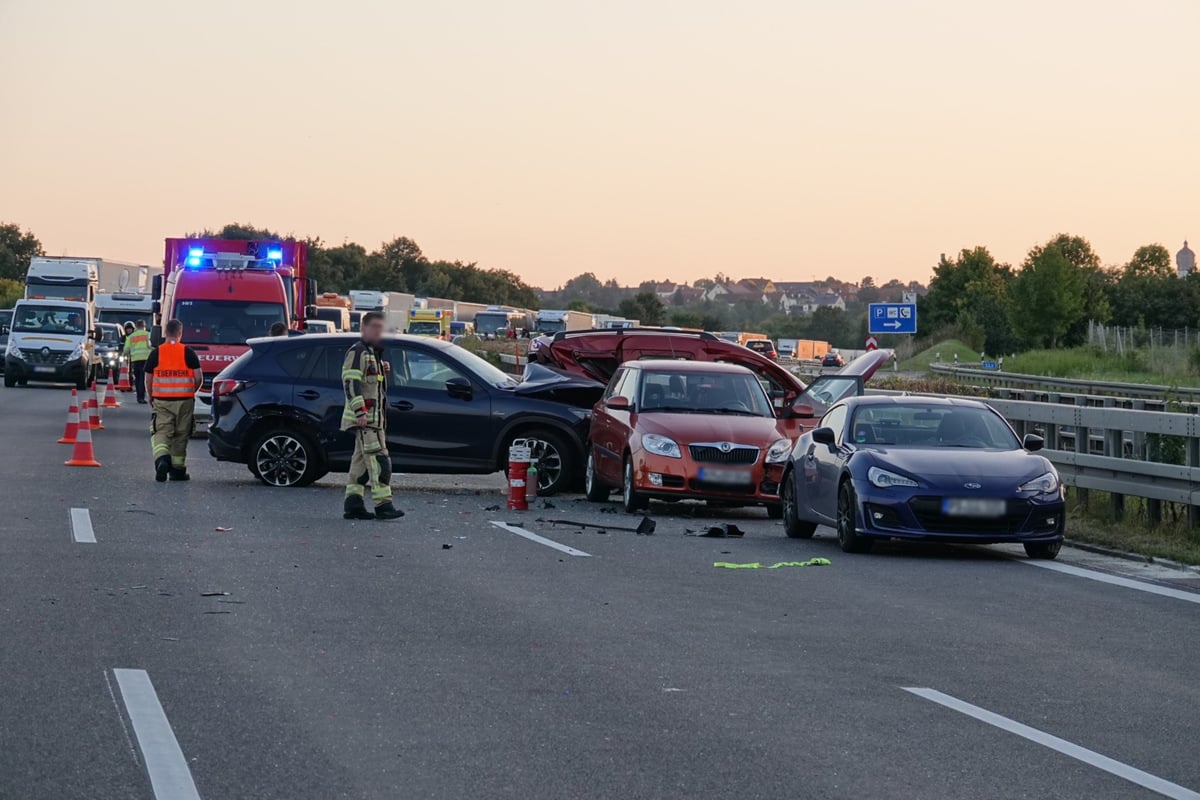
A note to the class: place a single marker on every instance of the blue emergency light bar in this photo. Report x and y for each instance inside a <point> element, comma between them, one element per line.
<point>275,254</point>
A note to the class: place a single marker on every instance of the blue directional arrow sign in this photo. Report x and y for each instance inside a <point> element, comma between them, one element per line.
<point>892,317</point>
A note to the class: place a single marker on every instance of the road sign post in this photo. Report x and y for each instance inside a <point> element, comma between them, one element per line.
<point>892,318</point>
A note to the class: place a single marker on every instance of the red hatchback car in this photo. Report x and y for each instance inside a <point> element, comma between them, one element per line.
<point>686,430</point>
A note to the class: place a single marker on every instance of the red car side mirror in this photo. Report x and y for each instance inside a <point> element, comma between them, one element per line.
<point>618,403</point>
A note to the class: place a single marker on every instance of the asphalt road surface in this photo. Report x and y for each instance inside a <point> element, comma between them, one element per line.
<point>442,656</point>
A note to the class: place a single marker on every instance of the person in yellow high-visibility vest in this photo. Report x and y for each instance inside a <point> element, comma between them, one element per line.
<point>137,350</point>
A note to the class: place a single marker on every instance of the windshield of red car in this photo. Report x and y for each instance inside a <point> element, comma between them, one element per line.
<point>916,425</point>
<point>678,392</point>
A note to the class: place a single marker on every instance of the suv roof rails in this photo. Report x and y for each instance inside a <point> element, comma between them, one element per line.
<point>622,331</point>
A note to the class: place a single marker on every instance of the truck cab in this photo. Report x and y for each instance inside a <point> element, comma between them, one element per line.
<point>429,322</point>
<point>52,341</point>
<point>73,279</point>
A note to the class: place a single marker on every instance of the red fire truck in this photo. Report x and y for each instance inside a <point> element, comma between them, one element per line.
<point>226,291</point>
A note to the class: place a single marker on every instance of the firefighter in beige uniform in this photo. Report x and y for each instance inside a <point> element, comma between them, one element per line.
<point>364,381</point>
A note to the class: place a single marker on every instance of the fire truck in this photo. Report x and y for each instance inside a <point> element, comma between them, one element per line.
<point>226,291</point>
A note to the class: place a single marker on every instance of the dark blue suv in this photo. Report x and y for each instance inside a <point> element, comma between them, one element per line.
<point>278,410</point>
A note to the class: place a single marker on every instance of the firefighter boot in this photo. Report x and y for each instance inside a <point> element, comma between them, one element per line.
<point>353,508</point>
<point>162,466</point>
<point>388,511</point>
<point>179,474</point>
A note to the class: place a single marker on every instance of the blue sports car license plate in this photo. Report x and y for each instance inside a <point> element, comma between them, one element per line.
<point>973,507</point>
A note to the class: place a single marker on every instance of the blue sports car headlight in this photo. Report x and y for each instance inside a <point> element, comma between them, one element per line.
<point>888,480</point>
<point>1042,484</point>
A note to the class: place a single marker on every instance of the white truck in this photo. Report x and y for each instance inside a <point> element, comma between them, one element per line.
<point>610,322</point>
<point>551,322</point>
<point>394,305</point>
<point>72,279</point>
<point>122,307</point>
<point>498,321</point>
<point>51,340</point>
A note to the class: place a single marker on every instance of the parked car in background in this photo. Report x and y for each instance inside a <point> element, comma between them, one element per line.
<point>109,341</point>
<point>833,359</point>
<point>319,326</point>
<point>926,469</point>
<point>686,430</point>
<point>278,409</point>
<point>764,347</point>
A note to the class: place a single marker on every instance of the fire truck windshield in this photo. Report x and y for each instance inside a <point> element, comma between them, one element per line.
<point>227,321</point>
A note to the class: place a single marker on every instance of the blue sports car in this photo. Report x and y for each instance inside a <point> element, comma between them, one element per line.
<point>927,469</point>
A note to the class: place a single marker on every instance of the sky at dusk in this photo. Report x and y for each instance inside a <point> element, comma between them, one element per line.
<point>635,139</point>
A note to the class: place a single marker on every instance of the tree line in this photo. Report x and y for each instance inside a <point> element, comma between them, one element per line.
<point>396,266</point>
<point>1049,301</point>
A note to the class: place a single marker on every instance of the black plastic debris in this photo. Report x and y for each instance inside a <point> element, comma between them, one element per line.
<point>492,508</point>
<point>728,530</point>
<point>214,594</point>
<point>548,504</point>
<point>608,509</point>
<point>645,527</point>
<point>447,546</point>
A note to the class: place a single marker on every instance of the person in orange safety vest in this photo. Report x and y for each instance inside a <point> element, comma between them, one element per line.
<point>172,377</point>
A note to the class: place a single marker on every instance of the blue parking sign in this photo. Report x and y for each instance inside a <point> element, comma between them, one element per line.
<point>892,318</point>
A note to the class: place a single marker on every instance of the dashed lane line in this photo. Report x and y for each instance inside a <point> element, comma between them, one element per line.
<point>170,778</point>
<point>1089,757</point>
<point>1115,580</point>
<point>533,537</point>
<point>81,526</point>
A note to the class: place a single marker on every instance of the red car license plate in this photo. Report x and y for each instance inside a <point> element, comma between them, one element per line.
<point>738,477</point>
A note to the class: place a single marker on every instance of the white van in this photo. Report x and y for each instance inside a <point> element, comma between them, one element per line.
<point>50,340</point>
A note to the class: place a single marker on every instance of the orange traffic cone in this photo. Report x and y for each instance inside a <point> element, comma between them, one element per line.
<point>109,394</point>
<point>68,436</point>
<point>93,412</point>
<point>83,455</point>
<point>123,384</point>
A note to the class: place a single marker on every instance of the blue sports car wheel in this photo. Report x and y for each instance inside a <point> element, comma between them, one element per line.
<point>847,522</point>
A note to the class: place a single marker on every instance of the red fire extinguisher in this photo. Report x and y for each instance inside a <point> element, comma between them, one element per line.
<point>518,474</point>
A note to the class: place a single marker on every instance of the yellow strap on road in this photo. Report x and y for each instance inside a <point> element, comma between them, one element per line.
<point>812,562</point>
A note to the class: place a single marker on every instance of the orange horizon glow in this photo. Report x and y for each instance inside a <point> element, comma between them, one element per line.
<point>651,140</point>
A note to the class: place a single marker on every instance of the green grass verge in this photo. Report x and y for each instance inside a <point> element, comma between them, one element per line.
<point>947,348</point>
<point>1170,538</point>
<point>1169,366</point>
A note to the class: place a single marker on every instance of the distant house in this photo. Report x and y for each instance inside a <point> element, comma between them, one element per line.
<point>666,291</point>
<point>731,293</point>
<point>686,295</point>
<point>804,303</point>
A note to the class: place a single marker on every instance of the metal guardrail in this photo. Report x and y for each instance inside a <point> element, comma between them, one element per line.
<point>995,378</point>
<point>1105,449</point>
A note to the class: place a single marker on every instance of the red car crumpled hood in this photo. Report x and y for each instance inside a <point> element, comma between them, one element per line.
<point>688,428</point>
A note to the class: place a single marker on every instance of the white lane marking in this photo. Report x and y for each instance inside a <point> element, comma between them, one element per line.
<point>1115,580</point>
<point>81,526</point>
<point>1111,766</point>
<point>170,777</point>
<point>533,537</point>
